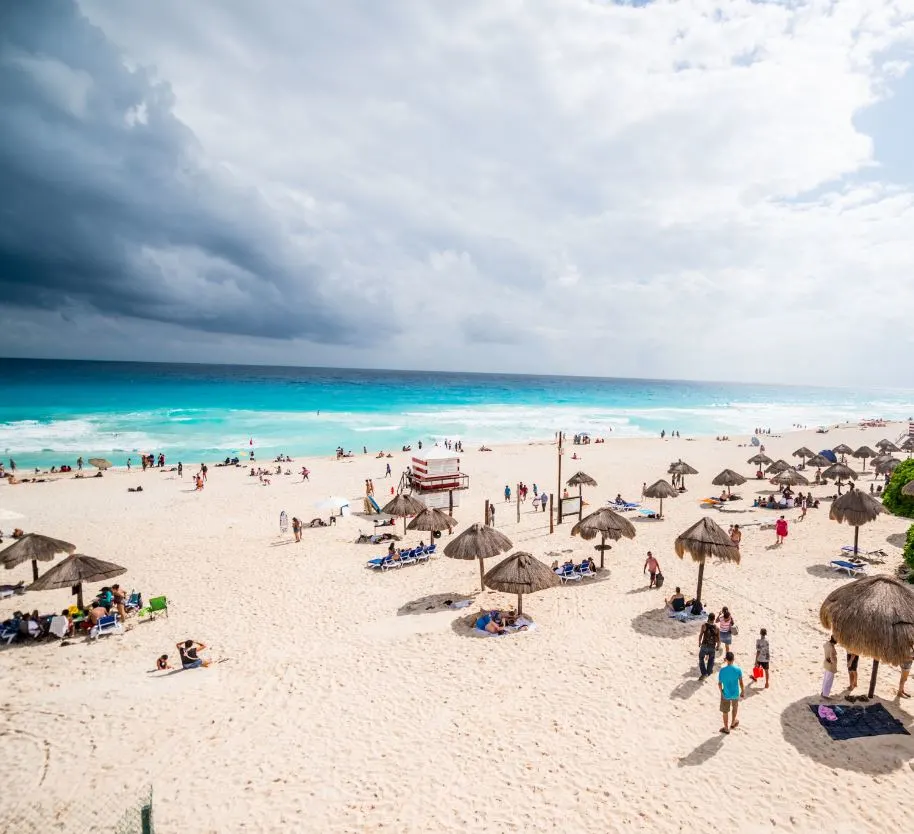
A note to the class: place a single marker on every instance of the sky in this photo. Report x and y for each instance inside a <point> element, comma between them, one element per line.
<point>682,189</point>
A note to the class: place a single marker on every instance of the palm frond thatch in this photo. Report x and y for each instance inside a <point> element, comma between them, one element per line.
<point>32,547</point>
<point>478,541</point>
<point>873,616</point>
<point>843,449</point>
<point>403,505</point>
<point>818,461</point>
<point>432,520</point>
<point>680,467</point>
<point>886,445</point>
<point>908,488</point>
<point>855,507</point>
<point>581,479</point>
<point>760,459</point>
<point>728,478</point>
<point>907,445</point>
<point>661,489</point>
<point>888,465</point>
<point>778,466</point>
<point>790,477</point>
<point>604,522</point>
<point>864,452</point>
<point>804,452</point>
<point>706,539</point>
<point>839,472</point>
<point>521,574</point>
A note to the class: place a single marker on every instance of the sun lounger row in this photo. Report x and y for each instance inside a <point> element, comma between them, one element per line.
<point>623,506</point>
<point>405,557</point>
<point>574,573</point>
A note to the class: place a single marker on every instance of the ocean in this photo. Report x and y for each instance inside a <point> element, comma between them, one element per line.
<point>52,411</point>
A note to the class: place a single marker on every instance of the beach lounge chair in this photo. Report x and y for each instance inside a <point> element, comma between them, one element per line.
<point>422,554</point>
<point>156,606</point>
<point>431,548</point>
<point>389,563</point>
<point>850,568</point>
<point>624,506</point>
<point>408,557</point>
<point>110,624</point>
<point>567,573</point>
<point>870,555</point>
<point>135,602</point>
<point>10,632</point>
<point>584,569</point>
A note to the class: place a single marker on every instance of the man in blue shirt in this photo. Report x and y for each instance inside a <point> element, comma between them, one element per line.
<point>730,683</point>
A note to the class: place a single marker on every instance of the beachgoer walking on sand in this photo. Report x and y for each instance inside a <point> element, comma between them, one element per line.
<point>491,514</point>
<point>535,490</point>
<point>804,502</point>
<point>507,493</point>
<point>652,566</point>
<point>189,657</point>
<point>544,499</point>
<point>296,529</point>
<point>387,472</point>
<point>763,653</point>
<point>853,661</point>
<point>830,665</point>
<point>780,530</point>
<point>730,683</point>
<point>736,535</point>
<point>203,470</point>
<point>708,641</point>
<point>305,472</point>
<point>725,625</point>
<point>79,463</point>
<point>180,469</point>
<point>905,671</point>
<point>128,464</point>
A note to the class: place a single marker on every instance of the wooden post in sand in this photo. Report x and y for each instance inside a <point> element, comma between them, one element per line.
<point>486,521</point>
<point>559,482</point>
<point>551,525</point>
<point>518,503</point>
<point>873,675</point>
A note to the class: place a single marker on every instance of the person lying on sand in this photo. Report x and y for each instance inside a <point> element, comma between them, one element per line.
<point>491,622</point>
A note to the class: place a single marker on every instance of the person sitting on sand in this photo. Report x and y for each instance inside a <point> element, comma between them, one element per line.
<point>162,663</point>
<point>189,657</point>
<point>555,564</point>
<point>491,622</point>
<point>591,564</point>
<point>677,602</point>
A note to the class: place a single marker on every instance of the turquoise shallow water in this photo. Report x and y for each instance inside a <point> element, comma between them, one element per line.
<point>53,411</point>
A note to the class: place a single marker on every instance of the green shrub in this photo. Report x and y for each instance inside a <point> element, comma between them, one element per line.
<point>908,553</point>
<point>892,499</point>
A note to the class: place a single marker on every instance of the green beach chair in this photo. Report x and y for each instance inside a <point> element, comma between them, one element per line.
<point>156,606</point>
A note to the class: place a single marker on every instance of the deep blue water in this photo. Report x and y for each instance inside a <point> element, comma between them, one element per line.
<point>51,411</point>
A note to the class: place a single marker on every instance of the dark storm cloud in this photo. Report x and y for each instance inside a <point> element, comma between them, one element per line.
<point>108,203</point>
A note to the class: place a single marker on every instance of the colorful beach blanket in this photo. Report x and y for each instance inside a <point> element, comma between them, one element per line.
<point>844,723</point>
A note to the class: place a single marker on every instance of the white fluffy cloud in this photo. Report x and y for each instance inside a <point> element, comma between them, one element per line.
<point>677,189</point>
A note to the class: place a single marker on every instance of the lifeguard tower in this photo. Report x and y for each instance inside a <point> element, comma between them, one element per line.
<point>436,480</point>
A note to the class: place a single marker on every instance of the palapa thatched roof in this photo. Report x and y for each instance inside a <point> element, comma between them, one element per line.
<point>33,546</point>
<point>873,616</point>
<point>907,445</point>
<point>760,459</point>
<point>864,452</point>
<point>887,446</point>
<point>843,449</point>
<point>432,519</point>
<point>403,505</point>
<point>908,488</point>
<point>839,471</point>
<point>706,539</point>
<point>818,461</point>
<point>581,479</point>
<point>778,466</point>
<point>521,573</point>
<point>887,465</point>
<point>681,468</point>
<point>856,507</point>
<point>604,522</point>
<point>790,477</point>
<point>803,452</point>
<point>74,569</point>
<point>661,489</point>
<point>100,463</point>
<point>728,478</point>
<point>478,541</point>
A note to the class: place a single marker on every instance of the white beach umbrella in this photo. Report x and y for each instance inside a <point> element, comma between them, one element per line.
<point>333,502</point>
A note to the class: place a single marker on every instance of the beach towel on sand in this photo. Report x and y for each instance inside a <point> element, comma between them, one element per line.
<point>844,723</point>
<point>515,629</point>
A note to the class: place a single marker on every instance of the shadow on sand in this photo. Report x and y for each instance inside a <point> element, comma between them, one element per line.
<point>433,603</point>
<point>656,623</point>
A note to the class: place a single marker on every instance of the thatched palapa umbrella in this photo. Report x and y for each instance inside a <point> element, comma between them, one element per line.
<point>33,547</point>
<point>908,445</point>
<point>478,541</point>
<point>908,488</point>
<point>857,508</point>
<point>888,464</point>
<point>521,574</point>
<point>760,459</point>
<point>790,477</point>
<point>604,523</point>
<point>874,617</point>
<point>886,446</point>
<point>839,471</point>
<point>778,466</point>
<point>818,461</point>
<point>681,468</point>
<point>728,478</point>
<point>432,520</point>
<point>100,463</point>
<point>402,506</point>
<point>74,570</point>
<point>803,453</point>
<point>864,452</point>
<point>580,479</point>
<point>842,449</point>
<point>661,489</point>
<point>702,540</point>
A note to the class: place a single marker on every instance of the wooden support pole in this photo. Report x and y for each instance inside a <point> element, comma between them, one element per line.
<point>551,525</point>
<point>873,675</point>
<point>486,519</point>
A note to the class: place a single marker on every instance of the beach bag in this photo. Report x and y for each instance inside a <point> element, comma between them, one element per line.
<point>757,673</point>
<point>734,630</point>
<point>658,580</point>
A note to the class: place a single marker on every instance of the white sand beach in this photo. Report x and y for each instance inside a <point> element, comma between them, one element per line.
<point>353,701</point>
